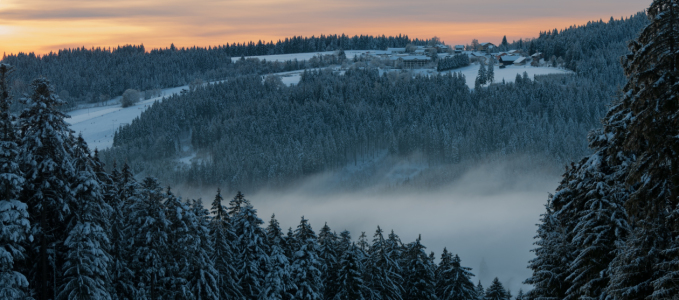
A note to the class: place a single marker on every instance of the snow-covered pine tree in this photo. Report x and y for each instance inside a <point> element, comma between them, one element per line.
<point>86,263</point>
<point>176,280</point>
<point>150,232</point>
<point>200,268</point>
<point>278,282</point>
<point>650,99</point>
<point>252,247</point>
<point>328,252</point>
<point>224,256</point>
<point>14,224</point>
<point>46,162</point>
<point>126,190</point>
<point>419,280</point>
<point>453,280</point>
<point>553,255</point>
<point>496,291</point>
<point>350,284</point>
<point>520,295</point>
<point>382,270</point>
<point>481,77</point>
<point>306,265</point>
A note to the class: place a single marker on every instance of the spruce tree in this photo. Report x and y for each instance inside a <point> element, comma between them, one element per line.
<point>14,224</point>
<point>328,252</point>
<point>419,280</point>
<point>200,268</point>
<point>127,192</point>
<point>650,99</point>
<point>150,228</point>
<point>480,292</point>
<point>252,248</point>
<point>278,282</point>
<point>224,256</point>
<point>350,284</point>
<point>46,162</point>
<point>86,265</point>
<point>453,280</point>
<point>496,291</point>
<point>306,265</point>
<point>553,255</point>
<point>382,270</point>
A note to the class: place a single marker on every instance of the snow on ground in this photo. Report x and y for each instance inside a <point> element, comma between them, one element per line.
<point>97,124</point>
<point>508,73</point>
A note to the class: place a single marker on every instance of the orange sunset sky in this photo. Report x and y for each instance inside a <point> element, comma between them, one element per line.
<point>42,26</point>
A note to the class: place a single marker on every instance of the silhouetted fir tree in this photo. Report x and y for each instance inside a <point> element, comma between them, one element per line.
<point>362,243</point>
<point>394,249</point>
<point>496,291</point>
<point>86,262</point>
<point>224,256</point>
<point>480,292</point>
<point>237,203</point>
<point>382,270</point>
<point>278,282</point>
<point>14,224</point>
<point>419,280</point>
<point>306,265</point>
<point>46,162</point>
<point>350,282</point>
<point>252,248</point>
<point>329,254</point>
<point>520,295</point>
<point>345,240</point>
<point>453,281</point>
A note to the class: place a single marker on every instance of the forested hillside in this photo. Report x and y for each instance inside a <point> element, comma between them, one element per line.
<point>249,133</point>
<point>94,75</point>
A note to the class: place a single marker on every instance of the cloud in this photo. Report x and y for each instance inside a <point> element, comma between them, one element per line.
<point>43,25</point>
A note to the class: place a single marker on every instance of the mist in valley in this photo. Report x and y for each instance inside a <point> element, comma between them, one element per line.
<point>485,214</point>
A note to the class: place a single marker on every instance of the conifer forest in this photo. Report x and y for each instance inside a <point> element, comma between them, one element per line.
<point>110,224</point>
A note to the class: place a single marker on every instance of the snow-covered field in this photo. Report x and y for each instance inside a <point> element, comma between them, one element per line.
<point>508,73</point>
<point>98,124</point>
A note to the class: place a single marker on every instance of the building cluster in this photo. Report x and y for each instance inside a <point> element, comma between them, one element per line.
<point>413,57</point>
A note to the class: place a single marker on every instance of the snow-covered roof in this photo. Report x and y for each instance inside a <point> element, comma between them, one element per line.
<point>520,60</point>
<point>459,46</point>
<point>419,51</point>
<point>487,44</point>
<point>396,49</point>
<point>416,57</point>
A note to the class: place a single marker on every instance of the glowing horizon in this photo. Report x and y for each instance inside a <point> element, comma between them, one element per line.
<point>42,26</point>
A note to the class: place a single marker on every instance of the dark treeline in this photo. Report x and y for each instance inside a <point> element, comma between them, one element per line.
<point>611,230</point>
<point>453,62</point>
<point>70,230</point>
<point>98,74</point>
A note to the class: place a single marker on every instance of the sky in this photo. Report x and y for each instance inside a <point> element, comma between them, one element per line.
<point>41,26</point>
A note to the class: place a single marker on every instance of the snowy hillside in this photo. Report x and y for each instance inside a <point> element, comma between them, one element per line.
<point>98,124</point>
